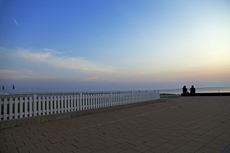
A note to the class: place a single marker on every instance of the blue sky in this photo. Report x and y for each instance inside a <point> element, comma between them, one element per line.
<point>69,45</point>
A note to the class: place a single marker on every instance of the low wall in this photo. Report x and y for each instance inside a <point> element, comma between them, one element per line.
<point>207,94</point>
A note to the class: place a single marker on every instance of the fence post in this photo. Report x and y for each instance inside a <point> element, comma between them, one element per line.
<point>30,106</point>
<point>131,96</point>
<point>21,107</point>
<point>5,109</point>
<point>15,108</point>
<point>80,100</point>
<point>110,99</point>
<point>148,95</point>
<point>35,104</point>
<point>11,108</point>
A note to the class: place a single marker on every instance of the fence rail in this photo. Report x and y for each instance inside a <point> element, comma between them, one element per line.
<point>36,105</point>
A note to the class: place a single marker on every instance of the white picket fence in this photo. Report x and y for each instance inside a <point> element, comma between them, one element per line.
<point>30,106</point>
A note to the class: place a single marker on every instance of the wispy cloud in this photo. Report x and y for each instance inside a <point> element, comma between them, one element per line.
<point>47,63</point>
<point>21,74</point>
<point>49,57</point>
<point>16,22</point>
<point>93,78</point>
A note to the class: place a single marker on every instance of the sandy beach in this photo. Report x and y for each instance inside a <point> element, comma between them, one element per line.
<point>175,125</point>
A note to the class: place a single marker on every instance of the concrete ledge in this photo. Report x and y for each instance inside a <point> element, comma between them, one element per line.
<point>52,117</point>
<point>207,94</point>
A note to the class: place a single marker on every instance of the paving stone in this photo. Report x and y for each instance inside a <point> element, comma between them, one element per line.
<point>160,149</point>
<point>68,142</point>
<point>195,144</point>
<point>96,147</point>
<point>82,144</point>
<point>217,144</point>
<point>188,148</point>
<point>38,150</point>
<point>135,142</point>
<point>84,150</point>
<point>4,148</point>
<point>142,148</point>
<point>43,143</point>
<point>56,140</point>
<point>177,142</point>
<point>109,143</point>
<point>129,151</point>
<point>26,148</point>
<point>208,150</point>
<point>54,146</point>
<point>31,141</point>
<point>112,149</point>
<point>10,151</point>
<point>224,137</point>
<point>125,145</point>
<point>152,144</point>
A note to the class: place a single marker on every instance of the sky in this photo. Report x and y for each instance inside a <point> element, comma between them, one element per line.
<point>72,45</point>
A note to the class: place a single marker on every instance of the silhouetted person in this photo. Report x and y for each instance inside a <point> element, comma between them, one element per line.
<point>184,89</point>
<point>192,89</point>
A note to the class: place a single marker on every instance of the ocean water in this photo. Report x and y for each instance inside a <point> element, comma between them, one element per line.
<point>165,91</point>
<point>198,90</point>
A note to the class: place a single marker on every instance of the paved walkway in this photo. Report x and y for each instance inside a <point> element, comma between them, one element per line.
<point>178,125</point>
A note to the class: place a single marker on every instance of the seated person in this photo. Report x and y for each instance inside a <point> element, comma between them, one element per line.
<point>184,89</point>
<point>192,89</point>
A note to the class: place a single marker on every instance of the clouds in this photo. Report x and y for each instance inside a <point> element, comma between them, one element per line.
<point>16,22</point>
<point>47,63</point>
<point>50,58</point>
<point>21,74</point>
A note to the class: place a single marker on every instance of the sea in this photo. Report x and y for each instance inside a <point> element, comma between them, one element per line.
<point>198,90</point>
<point>162,91</point>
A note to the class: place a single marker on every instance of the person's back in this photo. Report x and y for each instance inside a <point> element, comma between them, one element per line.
<point>192,89</point>
<point>184,90</point>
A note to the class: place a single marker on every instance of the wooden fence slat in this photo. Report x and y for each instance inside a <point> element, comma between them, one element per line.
<point>62,104</point>
<point>51,104</point>
<point>15,108</point>
<point>86,105</point>
<point>30,106</point>
<point>47,105</point>
<point>55,104</point>
<point>74,102</point>
<point>83,102</point>
<point>26,107</point>
<point>69,106</point>
<point>59,108</point>
<point>21,108</point>
<point>43,105</point>
<point>65,106</point>
<point>1,104</point>
<point>35,105</point>
<point>11,109</point>
<point>78,103</point>
<point>5,105</point>
<point>91,102</point>
<point>39,106</point>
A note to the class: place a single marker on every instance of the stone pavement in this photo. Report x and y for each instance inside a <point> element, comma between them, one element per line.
<point>175,125</point>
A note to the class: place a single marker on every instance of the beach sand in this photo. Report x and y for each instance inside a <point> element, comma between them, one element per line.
<point>175,125</point>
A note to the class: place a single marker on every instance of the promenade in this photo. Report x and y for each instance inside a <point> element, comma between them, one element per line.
<point>174,125</point>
